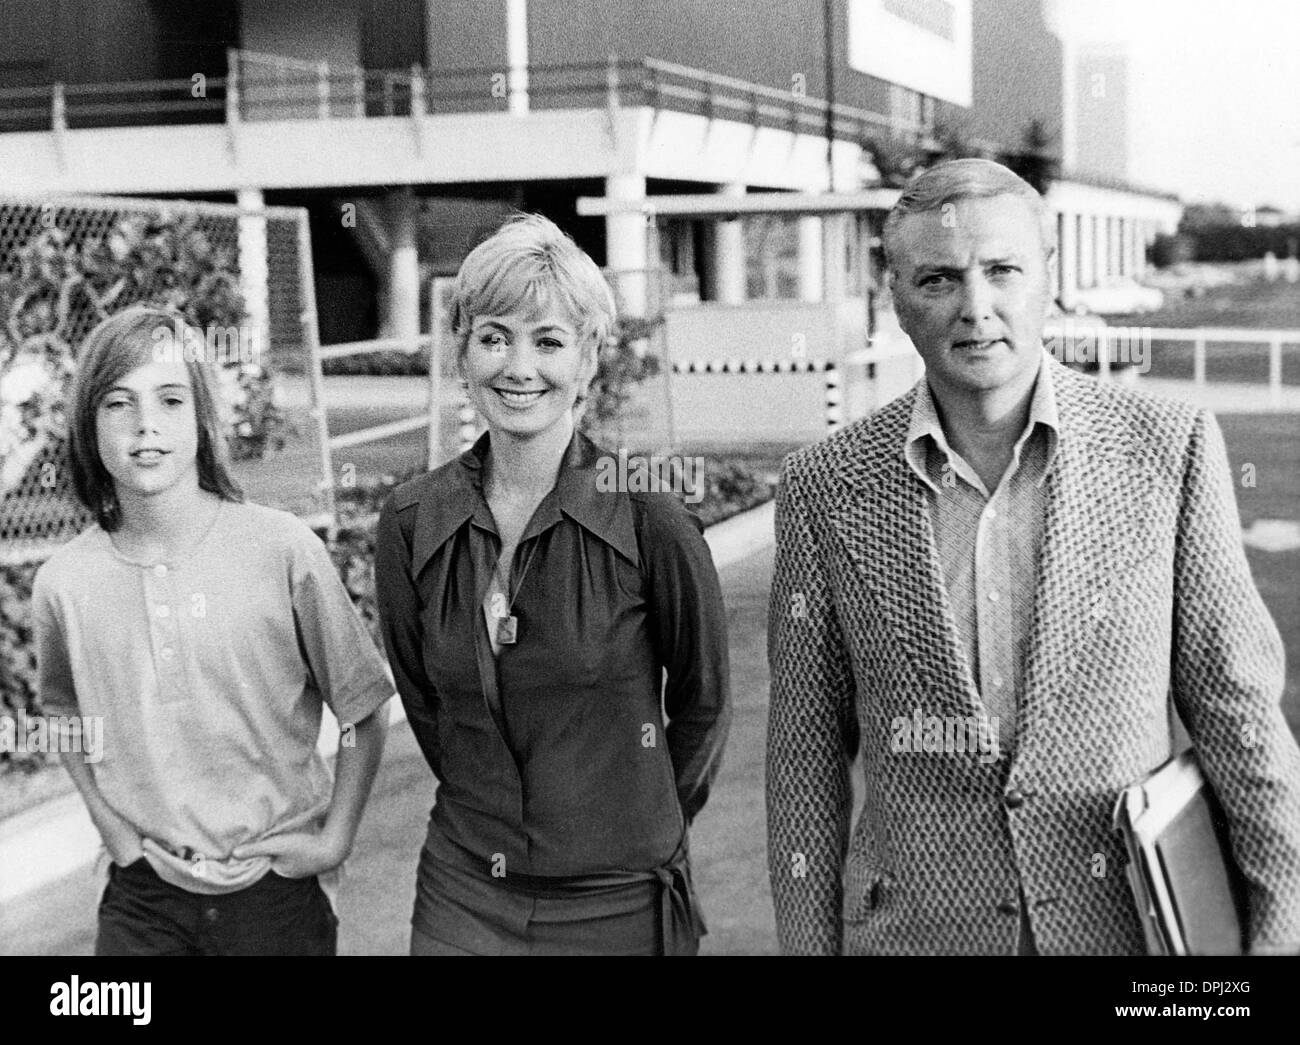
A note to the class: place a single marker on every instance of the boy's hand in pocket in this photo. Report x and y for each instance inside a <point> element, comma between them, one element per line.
<point>299,854</point>
<point>122,841</point>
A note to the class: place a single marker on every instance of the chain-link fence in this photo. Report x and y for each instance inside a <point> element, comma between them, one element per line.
<point>67,262</point>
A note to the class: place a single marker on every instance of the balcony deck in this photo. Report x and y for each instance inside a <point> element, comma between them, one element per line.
<point>268,123</point>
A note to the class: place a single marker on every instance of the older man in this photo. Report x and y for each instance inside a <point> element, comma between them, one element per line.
<point>990,590</point>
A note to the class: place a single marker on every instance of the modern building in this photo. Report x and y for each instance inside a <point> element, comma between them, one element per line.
<point>408,127</point>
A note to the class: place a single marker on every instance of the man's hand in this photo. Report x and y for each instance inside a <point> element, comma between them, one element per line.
<point>299,854</point>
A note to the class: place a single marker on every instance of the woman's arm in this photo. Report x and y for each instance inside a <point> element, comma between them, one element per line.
<point>690,624</point>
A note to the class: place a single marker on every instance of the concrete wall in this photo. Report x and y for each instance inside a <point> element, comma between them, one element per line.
<point>1017,71</point>
<point>722,36</point>
<point>393,34</point>
<point>310,30</point>
<point>463,34</point>
<point>94,41</point>
<point>727,409</point>
<point>765,331</point>
<point>736,409</point>
<point>77,41</point>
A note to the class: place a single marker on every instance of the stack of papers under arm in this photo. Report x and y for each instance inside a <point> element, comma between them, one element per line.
<point>1189,893</point>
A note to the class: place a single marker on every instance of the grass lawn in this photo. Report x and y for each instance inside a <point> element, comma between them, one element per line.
<point>1271,442</point>
<point>1261,306</point>
<point>1267,306</point>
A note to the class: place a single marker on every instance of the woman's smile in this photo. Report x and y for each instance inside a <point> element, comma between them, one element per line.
<point>520,399</point>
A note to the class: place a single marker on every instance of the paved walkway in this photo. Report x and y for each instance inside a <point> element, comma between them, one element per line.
<point>728,841</point>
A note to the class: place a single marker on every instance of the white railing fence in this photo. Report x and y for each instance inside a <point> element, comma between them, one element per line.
<point>1200,357</point>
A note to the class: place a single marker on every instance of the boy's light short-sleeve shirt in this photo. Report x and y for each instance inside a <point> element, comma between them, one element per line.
<point>209,673</point>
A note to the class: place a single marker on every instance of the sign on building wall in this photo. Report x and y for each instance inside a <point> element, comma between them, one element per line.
<point>924,45</point>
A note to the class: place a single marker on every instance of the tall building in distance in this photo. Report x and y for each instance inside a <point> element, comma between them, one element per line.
<point>1101,121</point>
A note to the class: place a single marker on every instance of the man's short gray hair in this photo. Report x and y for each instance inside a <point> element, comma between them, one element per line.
<point>966,179</point>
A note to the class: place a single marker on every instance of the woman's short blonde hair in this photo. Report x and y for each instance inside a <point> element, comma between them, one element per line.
<point>528,265</point>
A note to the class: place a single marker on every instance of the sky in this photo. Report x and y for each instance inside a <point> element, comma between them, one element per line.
<point>1214,102</point>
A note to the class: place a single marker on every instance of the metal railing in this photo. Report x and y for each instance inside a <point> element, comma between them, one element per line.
<point>430,418</point>
<point>1200,338</point>
<point>76,106</point>
<point>259,86</point>
<point>662,83</point>
<point>1211,348</point>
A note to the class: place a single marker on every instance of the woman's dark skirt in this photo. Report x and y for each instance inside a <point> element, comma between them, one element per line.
<point>463,912</point>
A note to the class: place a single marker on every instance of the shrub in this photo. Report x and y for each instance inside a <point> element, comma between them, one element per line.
<point>17,653</point>
<point>622,365</point>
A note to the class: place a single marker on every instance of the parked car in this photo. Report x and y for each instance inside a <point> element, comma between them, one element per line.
<point>1075,337</point>
<point>1126,296</point>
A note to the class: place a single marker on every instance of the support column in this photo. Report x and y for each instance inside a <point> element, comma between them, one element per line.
<point>400,299</point>
<point>1098,250</point>
<point>1068,259</point>
<point>1116,247</point>
<point>517,55</point>
<point>1139,246</point>
<point>1108,249</point>
<point>729,253</point>
<point>254,268</point>
<point>811,264</point>
<point>626,242</point>
<point>835,244</point>
<point>1087,255</point>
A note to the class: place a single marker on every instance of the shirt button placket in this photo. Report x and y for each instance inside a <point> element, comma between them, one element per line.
<point>158,587</point>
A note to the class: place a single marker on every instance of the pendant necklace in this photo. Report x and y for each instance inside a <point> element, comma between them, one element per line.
<point>507,623</point>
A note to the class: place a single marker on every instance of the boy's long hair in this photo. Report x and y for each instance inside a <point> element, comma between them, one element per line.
<point>113,349</point>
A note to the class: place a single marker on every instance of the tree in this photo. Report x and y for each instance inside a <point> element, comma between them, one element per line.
<point>1034,160</point>
<point>620,366</point>
<point>896,159</point>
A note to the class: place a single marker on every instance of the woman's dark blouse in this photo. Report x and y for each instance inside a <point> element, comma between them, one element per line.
<point>562,763</point>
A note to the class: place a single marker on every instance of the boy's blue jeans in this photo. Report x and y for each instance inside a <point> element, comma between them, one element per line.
<point>141,914</point>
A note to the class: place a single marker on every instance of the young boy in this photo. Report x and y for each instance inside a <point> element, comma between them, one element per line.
<point>205,632</point>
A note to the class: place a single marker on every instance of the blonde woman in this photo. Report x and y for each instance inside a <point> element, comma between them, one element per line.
<point>561,650</point>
